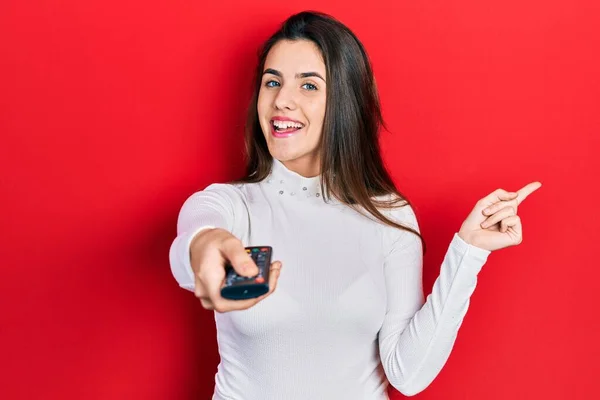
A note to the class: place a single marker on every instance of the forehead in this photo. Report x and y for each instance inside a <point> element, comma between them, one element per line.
<point>291,57</point>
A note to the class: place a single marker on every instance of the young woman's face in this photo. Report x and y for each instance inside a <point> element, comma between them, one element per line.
<point>291,104</point>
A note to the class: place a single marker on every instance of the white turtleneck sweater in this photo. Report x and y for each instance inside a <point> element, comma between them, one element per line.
<point>348,315</point>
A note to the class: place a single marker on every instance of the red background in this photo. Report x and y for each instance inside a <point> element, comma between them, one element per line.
<point>113,112</point>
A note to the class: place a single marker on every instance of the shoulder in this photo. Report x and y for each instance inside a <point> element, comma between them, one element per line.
<point>222,194</point>
<point>232,190</point>
<point>402,212</point>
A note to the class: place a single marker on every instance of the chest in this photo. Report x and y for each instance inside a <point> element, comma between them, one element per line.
<point>332,276</point>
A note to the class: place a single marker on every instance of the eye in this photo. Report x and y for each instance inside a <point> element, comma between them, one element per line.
<point>268,83</point>
<point>311,86</point>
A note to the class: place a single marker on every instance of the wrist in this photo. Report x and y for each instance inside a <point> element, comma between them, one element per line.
<point>471,240</point>
<point>195,243</point>
<point>203,231</point>
<point>467,238</point>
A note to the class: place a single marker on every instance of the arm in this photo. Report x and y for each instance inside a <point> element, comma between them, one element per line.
<point>217,206</point>
<point>417,336</point>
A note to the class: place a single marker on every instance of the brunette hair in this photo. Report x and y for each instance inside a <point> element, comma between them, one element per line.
<point>352,168</point>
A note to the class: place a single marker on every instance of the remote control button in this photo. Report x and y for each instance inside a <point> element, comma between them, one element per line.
<point>260,279</point>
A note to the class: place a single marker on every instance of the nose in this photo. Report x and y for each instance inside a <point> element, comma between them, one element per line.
<point>285,99</point>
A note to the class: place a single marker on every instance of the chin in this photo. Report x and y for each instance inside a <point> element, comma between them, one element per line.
<point>284,155</point>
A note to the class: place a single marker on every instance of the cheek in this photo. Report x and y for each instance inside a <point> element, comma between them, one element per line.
<point>260,108</point>
<point>263,102</point>
<point>317,112</point>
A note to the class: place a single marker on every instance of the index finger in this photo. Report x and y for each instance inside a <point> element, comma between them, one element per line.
<point>225,305</point>
<point>527,190</point>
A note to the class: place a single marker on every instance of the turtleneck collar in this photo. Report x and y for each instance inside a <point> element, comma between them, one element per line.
<point>285,182</point>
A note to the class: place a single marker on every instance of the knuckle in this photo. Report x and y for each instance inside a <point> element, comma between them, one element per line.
<point>231,240</point>
<point>216,233</point>
<point>206,304</point>
<point>219,309</point>
<point>218,306</point>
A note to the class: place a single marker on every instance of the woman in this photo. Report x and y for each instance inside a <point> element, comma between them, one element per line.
<point>348,315</point>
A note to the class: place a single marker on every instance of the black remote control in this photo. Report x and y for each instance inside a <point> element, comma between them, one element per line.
<point>239,287</point>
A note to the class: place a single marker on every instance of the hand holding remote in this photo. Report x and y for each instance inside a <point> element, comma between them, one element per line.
<point>210,251</point>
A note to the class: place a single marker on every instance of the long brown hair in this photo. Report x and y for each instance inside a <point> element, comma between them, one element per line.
<point>352,168</point>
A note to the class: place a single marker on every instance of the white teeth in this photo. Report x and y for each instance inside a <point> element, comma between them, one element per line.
<point>287,124</point>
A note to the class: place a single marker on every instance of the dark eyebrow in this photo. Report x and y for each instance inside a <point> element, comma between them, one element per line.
<point>300,75</point>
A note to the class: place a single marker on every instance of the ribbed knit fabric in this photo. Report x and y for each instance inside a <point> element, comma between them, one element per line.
<point>348,315</point>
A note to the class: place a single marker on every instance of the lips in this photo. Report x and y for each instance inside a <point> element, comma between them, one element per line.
<point>282,118</point>
<point>284,133</point>
<point>285,126</point>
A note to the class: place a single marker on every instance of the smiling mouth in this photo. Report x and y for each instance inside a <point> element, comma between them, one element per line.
<point>286,126</point>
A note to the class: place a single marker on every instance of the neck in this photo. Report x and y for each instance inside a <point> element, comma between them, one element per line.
<point>307,166</point>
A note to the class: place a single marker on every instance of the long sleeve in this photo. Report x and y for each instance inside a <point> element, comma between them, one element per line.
<point>217,206</point>
<point>417,336</point>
